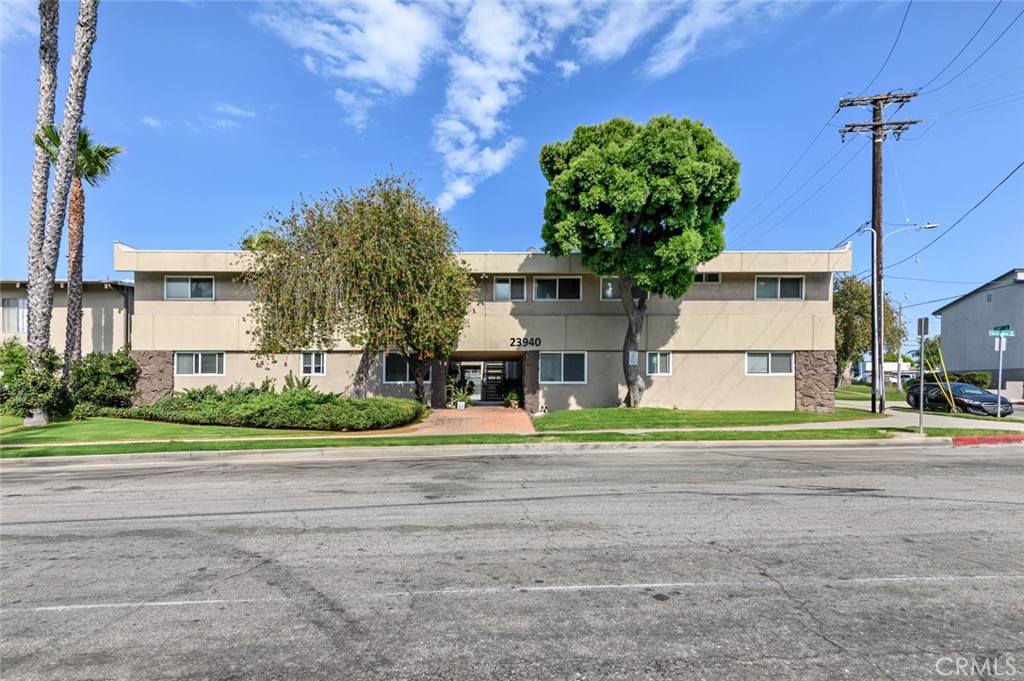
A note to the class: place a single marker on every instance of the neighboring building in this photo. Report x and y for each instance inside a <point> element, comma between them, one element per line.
<point>756,331</point>
<point>106,314</point>
<point>966,345</point>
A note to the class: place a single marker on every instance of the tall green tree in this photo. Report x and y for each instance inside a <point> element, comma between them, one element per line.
<point>46,218</point>
<point>375,266</point>
<point>851,305</point>
<point>644,203</point>
<point>93,163</point>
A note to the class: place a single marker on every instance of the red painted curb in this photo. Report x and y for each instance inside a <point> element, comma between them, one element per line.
<point>975,440</point>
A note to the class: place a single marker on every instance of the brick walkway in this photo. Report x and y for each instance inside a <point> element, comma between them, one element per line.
<point>475,420</point>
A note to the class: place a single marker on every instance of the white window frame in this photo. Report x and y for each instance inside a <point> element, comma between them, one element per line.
<point>213,285</point>
<point>312,355</point>
<point>510,299</point>
<point>21,316</point>
<point>408,370</point>
<point>198,362</point>
<point>701,278</point>
<point>659,352</point>
<point>792,363</point>
<point>618,298</point>
<point>778,285</point>
<point>558,286</point>
<point>562,354</point>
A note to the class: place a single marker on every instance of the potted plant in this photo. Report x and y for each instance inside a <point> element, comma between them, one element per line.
<point>512,399</point>
<point>461,398</point>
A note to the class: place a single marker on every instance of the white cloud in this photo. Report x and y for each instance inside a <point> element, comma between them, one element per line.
<point>18,20</point>
<point>381,46</point>
<point>372,52</point>
<point>568,68</point>
<point>219,123</point>
<point>152,122</point>
<point>232,110</point>
<point>618,25</point>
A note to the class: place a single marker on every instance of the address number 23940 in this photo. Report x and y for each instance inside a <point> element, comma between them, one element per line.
<point>524,342</point>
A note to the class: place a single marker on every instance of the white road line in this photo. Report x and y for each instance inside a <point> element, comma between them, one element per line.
<point>539,589</point>
<point>143,604</point>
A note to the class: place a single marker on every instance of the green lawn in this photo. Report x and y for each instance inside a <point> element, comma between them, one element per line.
<point>975,417</point>
<point>10,421</point>
<point>106,429</point>
<point>863,392</point>
<point>625,419</point>
<point>437,440</point>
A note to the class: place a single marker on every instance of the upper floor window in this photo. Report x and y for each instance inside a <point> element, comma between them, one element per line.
<point>199,364</point>
<point>15,315</point>
<point>563,367</point>
<point>784,288</point>
<point>314,364</point>
<point>509,288</point>
<point>557,288</point>
<point>610,289</point>
<point>708,278</point>
<point>397,369</point>
<point>188,288</point>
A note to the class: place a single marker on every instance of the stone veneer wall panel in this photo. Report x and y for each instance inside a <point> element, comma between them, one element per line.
<point>156,375</point>
<point>531,381</point>
<point>815,373</point>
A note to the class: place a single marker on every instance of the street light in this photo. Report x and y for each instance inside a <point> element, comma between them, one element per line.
<point>878,314</point>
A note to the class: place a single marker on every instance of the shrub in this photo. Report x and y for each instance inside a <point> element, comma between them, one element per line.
<point>981,379</point>
<point>105,380</point>
<point>37,386</point>
<point>261,407</point>
<point>13,360</point>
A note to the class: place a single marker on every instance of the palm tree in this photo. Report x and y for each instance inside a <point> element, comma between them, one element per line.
<point>93,163</point>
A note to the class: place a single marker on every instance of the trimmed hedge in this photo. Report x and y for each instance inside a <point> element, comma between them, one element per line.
<point>981,379</point>
<point>260,407</point>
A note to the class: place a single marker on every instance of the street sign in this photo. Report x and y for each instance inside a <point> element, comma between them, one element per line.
<point>1002,332</point>
<point>922,326</point>
<point>1004,327</point>
<point>1001,344</point>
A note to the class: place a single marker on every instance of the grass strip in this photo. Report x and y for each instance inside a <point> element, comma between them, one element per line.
<point>956,432</point>
<point>863,393</point>
<point>8,452</point>
<point>649,417</point>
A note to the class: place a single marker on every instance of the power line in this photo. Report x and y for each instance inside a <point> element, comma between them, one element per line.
<point>804,202</point>
<point>891,49</point>
<point>969,41</point>
<point>983,53</point>
<point>971,210</point>
<point>988,104</point>
<point>792,194</point>
<point>783,178</point>
<point>972,85</point>
<point>936,281</point>
<point>940,300</point>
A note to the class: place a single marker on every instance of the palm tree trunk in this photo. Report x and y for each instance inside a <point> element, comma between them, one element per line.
<point>38,324</point>
<point>41,277</point>
<point>76,239</point>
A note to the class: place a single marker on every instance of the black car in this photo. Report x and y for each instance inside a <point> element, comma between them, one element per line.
<point>966,398</point>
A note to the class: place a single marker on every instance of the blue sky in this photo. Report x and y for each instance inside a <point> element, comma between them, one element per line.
<point>227,110</point>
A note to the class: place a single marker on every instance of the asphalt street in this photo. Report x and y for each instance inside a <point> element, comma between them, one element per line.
<point>635,562</point>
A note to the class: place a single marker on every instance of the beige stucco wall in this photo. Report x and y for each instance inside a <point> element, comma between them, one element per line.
<point>103,317</point>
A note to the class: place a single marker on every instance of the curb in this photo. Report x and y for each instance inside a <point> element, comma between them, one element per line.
<point>981,440</point>
<point>427,452</point>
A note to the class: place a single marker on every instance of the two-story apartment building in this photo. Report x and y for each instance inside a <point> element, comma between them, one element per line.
<point>756,331</point>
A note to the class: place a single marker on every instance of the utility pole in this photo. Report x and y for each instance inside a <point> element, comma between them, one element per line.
<point>878,128</point>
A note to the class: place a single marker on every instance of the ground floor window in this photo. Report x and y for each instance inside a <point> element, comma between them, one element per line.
<point>563,367</point>
<point>397,369</point>
<point>15,316</point>
<point>659,363</point>
<point>770,363</point>
<point>313,364</point>
<point>199,363</point>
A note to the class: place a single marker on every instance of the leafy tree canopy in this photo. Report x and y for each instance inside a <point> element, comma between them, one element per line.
<point>851,305</point>
<point>644,201</point>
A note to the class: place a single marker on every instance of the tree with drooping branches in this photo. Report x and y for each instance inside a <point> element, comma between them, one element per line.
<point>644,203</point>
<point>374,266</point>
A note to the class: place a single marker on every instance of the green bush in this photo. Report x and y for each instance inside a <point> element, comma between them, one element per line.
<point>13,360</point>
<point>261,407</point>
<point>104,380</point>
<point>37,386</point>
<point>981,379</point>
